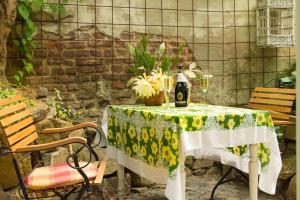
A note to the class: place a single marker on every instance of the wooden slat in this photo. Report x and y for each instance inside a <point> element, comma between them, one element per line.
<point>273,108</point>
<point>282,123</point>
<point>271,101</point>
<point>10,100</point>
<point>50,145</point>
<point>14,118</point>
<point>22,134</point>
<point>25,141</point>
<point>274,96</point>
<point>12,109</point>
<point>281,116</point>
<point>100,173</point>
<point>69,128</point>
<point>276,90</point>
<point>18,126</point>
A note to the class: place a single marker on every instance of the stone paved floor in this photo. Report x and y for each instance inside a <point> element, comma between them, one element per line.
<point>199,188</point>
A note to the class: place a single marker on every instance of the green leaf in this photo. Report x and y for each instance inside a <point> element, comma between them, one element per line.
<point>131,49</point>
<point>24,41</point>
<point>17,78</point>
<point>165,64</point>
<point>19,30</point>
<point>39,4</point>
<point>53,7</point>
<point>24,11</point>
<point>62,10</point>
<point>28,66</point>
<point>17,43</point>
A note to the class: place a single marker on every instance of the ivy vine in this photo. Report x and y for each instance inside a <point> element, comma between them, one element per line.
<point>25,31</point>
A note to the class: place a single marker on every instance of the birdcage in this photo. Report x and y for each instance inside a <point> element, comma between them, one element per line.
<point>275,23</point>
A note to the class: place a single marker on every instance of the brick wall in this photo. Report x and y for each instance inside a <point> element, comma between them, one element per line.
<point>90,69</point>
<point>84,55</point>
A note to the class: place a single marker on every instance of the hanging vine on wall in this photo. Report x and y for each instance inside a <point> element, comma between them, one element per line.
<point>25,31</point>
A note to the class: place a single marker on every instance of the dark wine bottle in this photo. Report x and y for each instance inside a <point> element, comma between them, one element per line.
<point>181,90</point>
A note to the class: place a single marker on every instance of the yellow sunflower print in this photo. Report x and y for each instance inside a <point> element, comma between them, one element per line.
<point>172,159</point>
<point>167,134</point>
<point>154,148</point>
<point>110,121</point>
<point>135,148</point>
<point>197,122</point>
<point>183,122</point>
<point>230,124</point>
<point>131,131</point>
<point>145,135</point>
<point>221,117</point>
<point>151,160</point>
<point>260,119</point>
<point>152,132</point>
<point>128,151</point>
<point>174,141</point>
<point>166,152</point>
<point>143,151</point>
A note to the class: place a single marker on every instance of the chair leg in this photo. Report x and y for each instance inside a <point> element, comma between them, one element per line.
<point>220,182</point>
<point>22,185</point>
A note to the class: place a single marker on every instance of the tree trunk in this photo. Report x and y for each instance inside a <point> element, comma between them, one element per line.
<point>7,19</point>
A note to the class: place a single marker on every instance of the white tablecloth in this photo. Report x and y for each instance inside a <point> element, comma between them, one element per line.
<point>209,145</point>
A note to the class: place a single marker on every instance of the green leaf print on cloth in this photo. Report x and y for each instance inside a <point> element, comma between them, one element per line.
<point>151,133</point>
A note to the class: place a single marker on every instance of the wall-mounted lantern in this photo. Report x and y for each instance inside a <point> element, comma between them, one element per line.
<point>275,23</point>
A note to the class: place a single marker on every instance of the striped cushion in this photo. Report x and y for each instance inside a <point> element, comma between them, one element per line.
<point>59,175</point>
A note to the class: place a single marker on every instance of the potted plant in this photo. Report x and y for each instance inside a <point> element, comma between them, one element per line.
<point>150,69</point>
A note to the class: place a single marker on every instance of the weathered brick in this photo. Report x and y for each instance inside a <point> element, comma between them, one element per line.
<point>75,44</point>
<point>69,53</point>
<point>54,53</point>
<point>82,53</point>
<point>96,53</point>
<point>118,84</point>
<point>57,71</point>
<point>117,68</point>
<point>88,62</point>
<point>87,69</point>
<point>67,79</point>
<point>103,43</point>
<point>107,53</point>
<point>72,87</point>
<point>83,78</point>
<point>71,70</point>
<point>40,53</point>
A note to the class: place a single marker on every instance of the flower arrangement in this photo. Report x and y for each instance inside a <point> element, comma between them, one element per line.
<point>150,69</point>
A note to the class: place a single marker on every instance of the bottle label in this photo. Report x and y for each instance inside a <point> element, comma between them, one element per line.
<point>179,96</point>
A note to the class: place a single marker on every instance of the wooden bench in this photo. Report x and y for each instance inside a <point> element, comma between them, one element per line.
<point>279,101</point>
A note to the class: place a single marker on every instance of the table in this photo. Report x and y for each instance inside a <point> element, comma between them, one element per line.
<point>153,142</point>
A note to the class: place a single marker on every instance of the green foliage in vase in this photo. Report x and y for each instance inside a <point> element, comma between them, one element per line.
<point>25,31</point>
<point>145,61</point>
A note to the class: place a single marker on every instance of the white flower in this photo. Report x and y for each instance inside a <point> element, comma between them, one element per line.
<point>143,88</point>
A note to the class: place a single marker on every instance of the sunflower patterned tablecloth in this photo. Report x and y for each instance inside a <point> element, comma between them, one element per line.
<point>154,135</point>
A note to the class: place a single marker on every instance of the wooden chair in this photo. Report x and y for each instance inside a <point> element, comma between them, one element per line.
<point>279,102</point>
<point>61,179</point>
